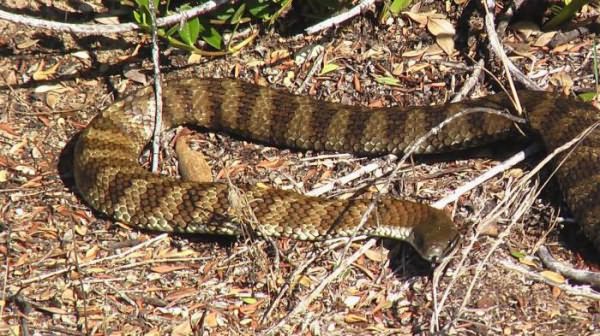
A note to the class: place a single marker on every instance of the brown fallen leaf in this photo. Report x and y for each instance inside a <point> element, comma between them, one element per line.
<point>553,276</point>
<point>355,318</point>
<point>167,268</point>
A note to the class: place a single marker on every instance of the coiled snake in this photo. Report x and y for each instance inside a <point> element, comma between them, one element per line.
<point>110,179</point>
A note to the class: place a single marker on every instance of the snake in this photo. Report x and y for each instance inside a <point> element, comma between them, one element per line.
<point>110,179</point>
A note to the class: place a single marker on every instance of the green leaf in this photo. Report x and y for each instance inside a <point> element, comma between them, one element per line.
<point>329,67</point>
<point>587,96</point>
<point>517,254</point>
<point>142,3</point>
<point>259,9</point>
<point>238,15</point>
<point>189,31</point>
<point>137,17</point>
<point>398,6</point>
<point>249,300</point>
<point>565,14</point>
<point>172,31</point>
<point>386,80</point>
<point>210,35</point>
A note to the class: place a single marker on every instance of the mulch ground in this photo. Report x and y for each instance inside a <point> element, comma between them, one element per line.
<point>66,270</point>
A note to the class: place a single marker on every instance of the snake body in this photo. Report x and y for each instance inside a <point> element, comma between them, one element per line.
<point>110,179</point>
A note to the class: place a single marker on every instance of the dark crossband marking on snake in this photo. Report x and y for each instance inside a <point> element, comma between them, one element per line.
<point>111,180</point>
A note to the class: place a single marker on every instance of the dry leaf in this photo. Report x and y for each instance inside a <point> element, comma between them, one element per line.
<point>272,164</point>
<point>544,39</point>
<point>556,292</point>
<point>414,53</point>
<point>211,320</point>
<point>137,76</point>
<point>490,230</point>
<point>109,20</point>
<point>446,42</point>
<point>27,44</point>
<point>278,55</point>
<point>41,74</point>
<point>375,255</point>
<point>562,80</point>
<point>528,260</point>
<point>81,54</point>
<point>355,318</point>
<point>305,281</point>
<point>181,293</point>
<point>421,18</point>
<point>182,329</point>
<point>417,67</point>
<point>351,301</point>
<point>194,58</point>
<point>553,276</point>
<point>50,88</point>
<point>167,268</point>
<point>437,26</point>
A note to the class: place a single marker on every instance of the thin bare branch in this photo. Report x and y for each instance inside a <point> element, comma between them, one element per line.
<point>336,20</point>
<point>101,29</point>
<point>588,277</point>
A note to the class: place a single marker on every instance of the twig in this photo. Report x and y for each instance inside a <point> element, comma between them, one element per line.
<point>317,291</point>
<point>96,261</point>
<point>7,263</point>
<point>503,166</point>
<point>298,270</point>
<point>336,20</point>
<point>588,277</point>
<point>498,50</point>
<point>584,291</point>
<point>469,83</point>
<point>523,206</point>
<point>363,170</point>
<point>158,105</point>
<point>99,29</point>
<point>312,71</point>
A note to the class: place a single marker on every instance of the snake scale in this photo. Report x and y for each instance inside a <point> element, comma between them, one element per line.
<point>110,179</point>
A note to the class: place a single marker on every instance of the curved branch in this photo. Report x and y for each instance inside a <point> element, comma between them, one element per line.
<point>100,29</point>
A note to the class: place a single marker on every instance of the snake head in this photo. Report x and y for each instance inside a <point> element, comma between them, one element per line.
<point>435,237</point>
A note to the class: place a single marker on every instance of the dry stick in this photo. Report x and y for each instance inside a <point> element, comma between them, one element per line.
<point>124,297</point>
<point>158,104</point>
<point>499,52</point>
<point>584,291</point>
<point>81,287</point>
<point>416,145</point>
<point>470,83</point>
<point>525,204</point>
<point>313,295</point>
<point>6,266</point>
<point>96,261</point>
<point>588,277</point>
<point>363,170</point>
<point>294,275</point>
<point>354,11</point>
<point>313,69</point>
<point>503,166</point>
<point>99,29</point>
<point>512,200</point>
<point>348,261</point>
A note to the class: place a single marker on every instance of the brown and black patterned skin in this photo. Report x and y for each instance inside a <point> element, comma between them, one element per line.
<point>110,179</point>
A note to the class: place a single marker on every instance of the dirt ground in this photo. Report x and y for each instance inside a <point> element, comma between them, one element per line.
<point>67,271</point>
